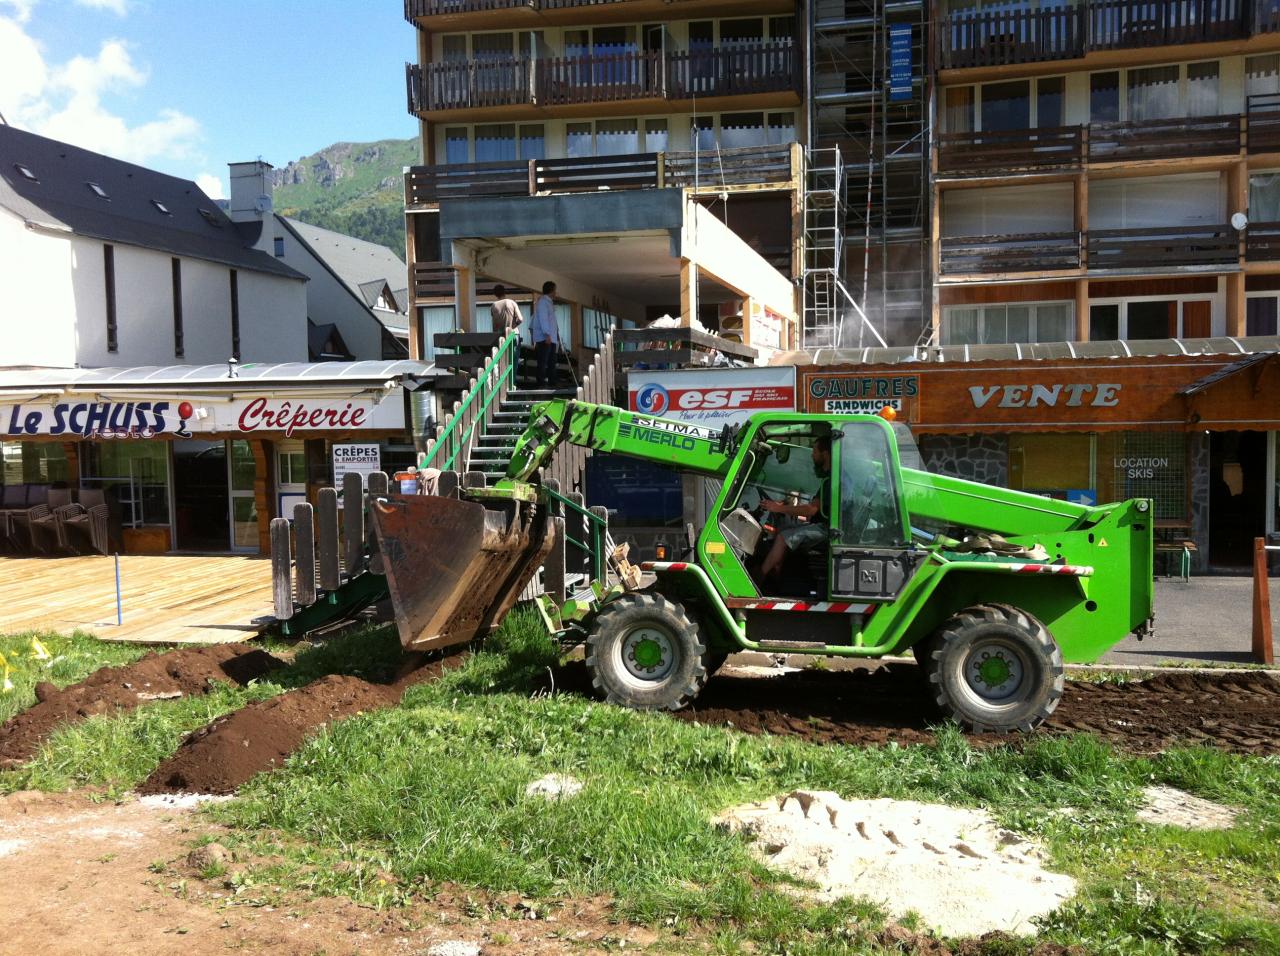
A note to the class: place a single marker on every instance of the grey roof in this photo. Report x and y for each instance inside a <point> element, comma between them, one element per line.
<point>282,374</point>
<point>365,268</point>
<point>60,198</point>
<point>1035,351</point>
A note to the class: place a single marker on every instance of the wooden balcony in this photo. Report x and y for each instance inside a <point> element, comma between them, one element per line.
<point>1263,115</point>
<point>603,78</point>
<point>1262,242</point>
<point>998,37</point>
<point>750,166</point>
<point>1010,151</point>
<point>1165,138</point>
<point>733,71</point>
<point>599,78</point>
<point>1028,252</point>
<point>1162,248</point>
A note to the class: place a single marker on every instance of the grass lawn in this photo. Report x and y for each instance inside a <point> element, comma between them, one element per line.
<point>433,791</point>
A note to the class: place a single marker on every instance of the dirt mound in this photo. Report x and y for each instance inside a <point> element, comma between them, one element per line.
<point>184,672</point>
<point>220,757</point>
<point>1235,712</point>
<point>224,755</point>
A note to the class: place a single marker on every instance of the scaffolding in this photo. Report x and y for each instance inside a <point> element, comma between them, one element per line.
<point>884,142</point>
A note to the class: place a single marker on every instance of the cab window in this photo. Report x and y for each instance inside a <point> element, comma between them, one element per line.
<point>869,516</point>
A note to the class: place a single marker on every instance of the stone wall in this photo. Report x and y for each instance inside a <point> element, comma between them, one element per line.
<point>983,458</point>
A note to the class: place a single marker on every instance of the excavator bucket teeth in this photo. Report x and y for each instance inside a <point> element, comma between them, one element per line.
<point>454,567</point>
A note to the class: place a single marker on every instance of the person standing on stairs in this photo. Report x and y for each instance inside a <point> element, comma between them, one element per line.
<point>546,336</point>
<point>505,312</point>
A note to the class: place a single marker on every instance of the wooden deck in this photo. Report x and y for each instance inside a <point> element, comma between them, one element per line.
<point>167,599</point>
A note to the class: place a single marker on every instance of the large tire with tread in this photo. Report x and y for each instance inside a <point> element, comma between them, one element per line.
<point>645,652</point>
<point>994,668</point>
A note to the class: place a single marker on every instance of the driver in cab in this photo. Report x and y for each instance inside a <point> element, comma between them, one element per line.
<point>816,528</point>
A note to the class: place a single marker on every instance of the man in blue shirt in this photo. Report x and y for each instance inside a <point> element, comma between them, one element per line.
<point>546,336</point>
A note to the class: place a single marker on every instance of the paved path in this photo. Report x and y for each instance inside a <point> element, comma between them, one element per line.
<point>1211,618</point>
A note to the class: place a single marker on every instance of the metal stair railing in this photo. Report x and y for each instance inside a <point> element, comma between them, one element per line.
<point>450,449</point>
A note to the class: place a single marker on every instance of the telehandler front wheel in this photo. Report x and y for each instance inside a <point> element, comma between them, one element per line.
<point>645,652</point>
<point>994,669</point>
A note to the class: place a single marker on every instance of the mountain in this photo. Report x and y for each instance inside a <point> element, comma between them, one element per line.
<point>356,188</point>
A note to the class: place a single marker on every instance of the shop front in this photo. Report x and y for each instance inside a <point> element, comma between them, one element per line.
<point>199,459</point>
<point>1194,433</point>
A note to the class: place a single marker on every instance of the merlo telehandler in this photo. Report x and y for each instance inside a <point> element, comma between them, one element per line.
<point>991,589</point>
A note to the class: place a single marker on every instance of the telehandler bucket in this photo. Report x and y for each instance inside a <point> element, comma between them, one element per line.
<point>455,567</point>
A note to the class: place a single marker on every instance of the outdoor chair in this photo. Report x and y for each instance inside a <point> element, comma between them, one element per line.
<point>46,529</point>
<point>20,520</point>
<point>13,498</point>
<point>87,528</point>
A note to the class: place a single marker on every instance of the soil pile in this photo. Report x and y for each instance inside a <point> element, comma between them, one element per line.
<point>1234,712</point>
<point>224,755</point>
<point>185,672</point>
<point>953,866</point>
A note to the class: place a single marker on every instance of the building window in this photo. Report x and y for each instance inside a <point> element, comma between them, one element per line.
<point>1262,75</point>
<point>617,137</point>
<point>703,132</point>
<point>577,140</point>
<point>457,146</point>
<point>1264,197</point>
<point>109,276</point>
<point>495,143</point>
<point>1006,106</point>
<point>175,266</point>
<point>1104,97</point>
<point>741,129</point>
<point>1058,465</point>
<point>533,142</point>
<point>1260,315</point>
<point>136,473</point>
<point>655,136</point>
<point>1144,465</point>
<point>1202,88</point>
<point>33,463</point>
<point>98,191</point>
<point>235,315</point>
<point>291,463</point>
<point>1153,93</point>
<point>278,245</point>
<point>1008,324</point>
<point>959,109</point>
<point>1050,96</point>
<point>161,207</point>
<point>1151,319</point>
<point>25,172</point>
<point>782,128</point>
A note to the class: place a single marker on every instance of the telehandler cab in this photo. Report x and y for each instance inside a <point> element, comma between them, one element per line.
<point>991,589</point>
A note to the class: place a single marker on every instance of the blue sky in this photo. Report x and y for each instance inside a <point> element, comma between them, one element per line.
<point>186,86</point>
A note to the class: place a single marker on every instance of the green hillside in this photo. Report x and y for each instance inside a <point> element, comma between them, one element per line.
<point>356,188</point>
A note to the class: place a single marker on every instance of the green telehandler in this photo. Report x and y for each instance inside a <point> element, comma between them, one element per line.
<point>827,537</point>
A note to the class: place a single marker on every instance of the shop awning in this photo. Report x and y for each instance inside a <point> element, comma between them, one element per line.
<point>1235,368</point>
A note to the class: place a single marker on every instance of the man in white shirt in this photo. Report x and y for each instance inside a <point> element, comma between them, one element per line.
<point>546,336</point>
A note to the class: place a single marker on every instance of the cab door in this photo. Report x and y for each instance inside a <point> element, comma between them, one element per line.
<point>871,552</point>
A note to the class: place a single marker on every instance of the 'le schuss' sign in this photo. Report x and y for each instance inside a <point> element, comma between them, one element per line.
<point>1098,395</point>
<point>146,419</point>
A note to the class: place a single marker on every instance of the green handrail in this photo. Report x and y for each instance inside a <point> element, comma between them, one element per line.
<point>487,390</point>
<point>596,527</point>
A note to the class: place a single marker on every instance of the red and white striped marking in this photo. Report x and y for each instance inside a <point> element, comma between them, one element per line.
<point>1076,570</point>
<point>829,607</point>
<point>664,565</point>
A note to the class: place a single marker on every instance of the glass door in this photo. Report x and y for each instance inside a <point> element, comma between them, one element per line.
<point>244,511</point>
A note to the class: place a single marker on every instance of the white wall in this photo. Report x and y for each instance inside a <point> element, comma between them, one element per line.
<point>273,318</point>
<point>329,300</point>
<point>37,307</point>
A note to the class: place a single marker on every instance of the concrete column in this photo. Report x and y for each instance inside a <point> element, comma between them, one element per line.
<point>1235,304</point>
<point>688,292</point>
<point>464,297</point>
<point>1082,310</point>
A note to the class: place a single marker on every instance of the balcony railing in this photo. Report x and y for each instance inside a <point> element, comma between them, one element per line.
<point>1001,151</point>
<point>1262,241</point>
<point>1163,247</point>
<point>1029,252</point>
<point>995,37</point>
<point>1263,115</point>
<point>1165,138</point>
<point>434,8</point>
<point>749,165</point>
<point>965,155</point>
<point>599,78</point>
<point>1107,250</point>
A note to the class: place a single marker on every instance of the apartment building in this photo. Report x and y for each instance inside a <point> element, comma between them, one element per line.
<point>554,97</point>
<point>1106,172</point>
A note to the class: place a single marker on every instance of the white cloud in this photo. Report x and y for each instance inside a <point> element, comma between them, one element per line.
<point>211,186</point>
<point>65,101</point>
<point>118,7</point>
<point>21,8</point>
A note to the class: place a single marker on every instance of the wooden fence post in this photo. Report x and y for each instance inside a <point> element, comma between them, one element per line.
<point>304,568</point>
<point>353,522</point>
<point>327,520</point>
<point>1263,648</point>
<point>281,568</point>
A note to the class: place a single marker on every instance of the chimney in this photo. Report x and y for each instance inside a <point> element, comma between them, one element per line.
<point>250,192</point>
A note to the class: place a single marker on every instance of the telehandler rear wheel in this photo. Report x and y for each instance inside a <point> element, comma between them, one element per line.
<point>645,652</point>
<point>994,669</point>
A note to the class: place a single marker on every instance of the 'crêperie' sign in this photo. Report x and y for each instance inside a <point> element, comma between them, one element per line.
<point>146,419</point>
